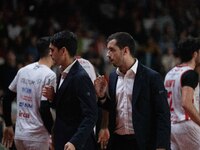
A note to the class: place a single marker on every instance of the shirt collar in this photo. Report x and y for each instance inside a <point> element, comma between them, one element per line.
<point>135,66</point>
<point>70,66</point>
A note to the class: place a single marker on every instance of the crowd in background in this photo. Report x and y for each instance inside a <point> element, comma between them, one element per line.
<point>156,25</point>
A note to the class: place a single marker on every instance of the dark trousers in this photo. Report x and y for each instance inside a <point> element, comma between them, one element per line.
<point>123,142</point>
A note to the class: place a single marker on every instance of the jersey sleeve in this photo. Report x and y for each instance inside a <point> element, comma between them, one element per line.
<point>190,78</point>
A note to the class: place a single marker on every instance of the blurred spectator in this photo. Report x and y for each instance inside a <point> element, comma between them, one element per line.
<point>31,49</point>
<point>14,28</point>
<point>95,58</point>
<point>8,71</point>
<point>150,55</point>
<point>166,21</point>
<point>169,59</point>
<point>168,38</point>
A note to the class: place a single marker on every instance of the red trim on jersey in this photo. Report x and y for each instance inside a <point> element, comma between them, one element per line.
<point>187,116</point>
<point>182,65</point>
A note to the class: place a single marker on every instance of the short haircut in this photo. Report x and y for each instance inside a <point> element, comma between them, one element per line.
<point>43,46</point>
<point>187,47</point>
<point>123,39</point>
<point>65,39</point>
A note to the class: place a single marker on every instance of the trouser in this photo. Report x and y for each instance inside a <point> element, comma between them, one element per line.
<point>123,142</point>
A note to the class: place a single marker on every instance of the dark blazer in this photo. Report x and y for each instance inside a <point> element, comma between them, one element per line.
<point>76,111</point>
<point>150,110</point>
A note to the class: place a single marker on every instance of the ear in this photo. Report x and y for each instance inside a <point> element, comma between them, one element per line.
<point>63,49</point>
<point>195,54</point>
<point>126,50</point>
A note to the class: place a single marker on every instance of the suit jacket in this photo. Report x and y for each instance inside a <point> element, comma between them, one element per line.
<point>150,110</point>
<point>76,111</point>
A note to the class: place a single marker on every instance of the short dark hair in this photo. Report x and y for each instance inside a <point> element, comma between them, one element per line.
<point>123,39</point>
<point>187,47</point>
<point>65,39</point>
<point>43,46</point>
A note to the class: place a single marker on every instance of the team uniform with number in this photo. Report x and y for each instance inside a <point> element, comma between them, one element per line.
<point>28,84</point>
<point>185,134</point>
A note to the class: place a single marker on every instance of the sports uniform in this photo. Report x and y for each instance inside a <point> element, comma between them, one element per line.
<point>185,134</point>
<point>28,85</point>
<point>88,68</point>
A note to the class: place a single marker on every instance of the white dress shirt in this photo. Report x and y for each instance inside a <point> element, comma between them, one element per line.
<point>66,71</point>
<point>124,92</point>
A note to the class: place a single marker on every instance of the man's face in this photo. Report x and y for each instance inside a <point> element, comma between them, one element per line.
<point>114,53</point>
<point>55,54</point>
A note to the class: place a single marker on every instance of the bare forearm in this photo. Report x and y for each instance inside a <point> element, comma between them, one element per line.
<point>193,113</point>
<point>187,104</point>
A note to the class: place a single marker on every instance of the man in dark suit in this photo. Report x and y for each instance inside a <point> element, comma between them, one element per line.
<point>75,98</point>
<point>139,117</point>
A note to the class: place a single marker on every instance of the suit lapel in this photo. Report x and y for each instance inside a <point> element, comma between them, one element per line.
<point>113,84</point>
<point>63,86</point>
<point>137,83</point>
<point>139,79</point>
<point>58,81</point>
<point>66,81</point>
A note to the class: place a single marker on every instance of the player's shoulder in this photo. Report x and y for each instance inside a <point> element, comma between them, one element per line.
<point>82,61</point>
<point>26,67</point>
<point>190,74</point>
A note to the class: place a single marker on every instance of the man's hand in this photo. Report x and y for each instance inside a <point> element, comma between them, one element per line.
<point>69,146</point>
<point>100,85</point>
<point>103,138</point>
<point>8,137</point>
<point>48,92</point>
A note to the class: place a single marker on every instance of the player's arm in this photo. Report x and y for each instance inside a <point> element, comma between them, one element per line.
<point>44,109</point>
<point>8,132</point>
<point>189,83</point>
<point>7,101</point>
<point>104,134</point>
<point>46,115</point>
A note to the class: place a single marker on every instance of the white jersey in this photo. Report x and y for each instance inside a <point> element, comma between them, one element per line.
<point>28,84</point>
<point>173,87</point>
<point>88,68</point>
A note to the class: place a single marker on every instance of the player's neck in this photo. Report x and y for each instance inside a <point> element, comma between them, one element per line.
<point>45,61</point>
<point>191,63</point>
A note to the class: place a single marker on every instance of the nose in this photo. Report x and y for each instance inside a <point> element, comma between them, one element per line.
<point>50,53</point>
<point>107,54</point>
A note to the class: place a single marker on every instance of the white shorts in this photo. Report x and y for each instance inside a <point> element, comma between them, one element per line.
<point>185,136</point>
<point>31,145</point>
